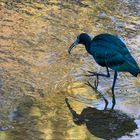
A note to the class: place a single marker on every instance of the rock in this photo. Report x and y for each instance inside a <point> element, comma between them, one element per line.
<point>35,112</point>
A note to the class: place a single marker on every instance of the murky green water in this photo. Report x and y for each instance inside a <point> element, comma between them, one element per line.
<point>36,73</point>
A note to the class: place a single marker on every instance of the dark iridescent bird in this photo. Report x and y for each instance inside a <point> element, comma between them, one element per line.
<point>110,52</point>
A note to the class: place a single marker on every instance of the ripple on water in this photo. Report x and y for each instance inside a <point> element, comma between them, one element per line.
<point>34,40</point>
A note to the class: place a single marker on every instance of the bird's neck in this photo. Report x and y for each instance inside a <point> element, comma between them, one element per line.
<point>87,46</point>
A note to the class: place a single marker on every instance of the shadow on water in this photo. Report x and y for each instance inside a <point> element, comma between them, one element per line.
<point>107,124</point>
<point>23,119</point>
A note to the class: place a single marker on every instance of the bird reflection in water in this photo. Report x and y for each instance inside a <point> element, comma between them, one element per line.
<point>106,124</point>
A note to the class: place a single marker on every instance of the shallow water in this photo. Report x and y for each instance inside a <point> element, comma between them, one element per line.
<point>37,74</point>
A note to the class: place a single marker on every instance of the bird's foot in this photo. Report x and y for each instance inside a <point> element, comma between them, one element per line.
<point>93,87</point>
<point>92,73</point>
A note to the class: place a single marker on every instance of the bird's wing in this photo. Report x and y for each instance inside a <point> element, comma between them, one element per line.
<point>110,57</point>
<point>115,60</point>
<point>113,42</point>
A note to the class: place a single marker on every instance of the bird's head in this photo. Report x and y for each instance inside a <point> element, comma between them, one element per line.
<point>83,38</point>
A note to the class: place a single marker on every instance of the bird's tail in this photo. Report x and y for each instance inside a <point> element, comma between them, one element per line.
<point>139,71</point>
<point>136,73</point>
<point>133,69</point>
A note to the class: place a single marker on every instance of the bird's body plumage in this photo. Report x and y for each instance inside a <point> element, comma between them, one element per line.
<point>109,51</point>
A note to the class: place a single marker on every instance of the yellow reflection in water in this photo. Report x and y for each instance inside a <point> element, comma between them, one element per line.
<point>34,40</point>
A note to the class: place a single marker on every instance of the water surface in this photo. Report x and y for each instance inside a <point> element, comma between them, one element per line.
<point>37,74</point>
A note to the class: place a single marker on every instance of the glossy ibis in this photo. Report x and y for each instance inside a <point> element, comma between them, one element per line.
<point>110,52</point>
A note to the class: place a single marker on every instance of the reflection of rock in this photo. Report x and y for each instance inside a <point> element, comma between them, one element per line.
<point>1,87</point>
<point>24,109</point>
<point>102,15</point>
<point>1,84</point>
<point>105,124</point>
<point>3,128</point>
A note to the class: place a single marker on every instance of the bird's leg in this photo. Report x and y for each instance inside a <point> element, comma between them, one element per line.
<point>96,83</point>
<point>95,89</point>
<point>113,95</point>
<point>99,74</point>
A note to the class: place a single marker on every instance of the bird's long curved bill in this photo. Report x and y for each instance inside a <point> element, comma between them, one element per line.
<point>73,45</point>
